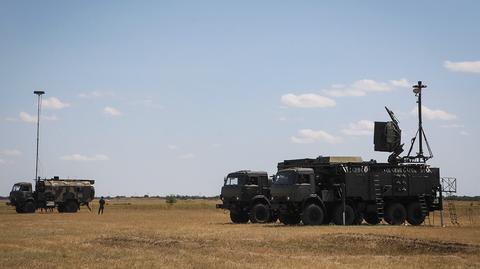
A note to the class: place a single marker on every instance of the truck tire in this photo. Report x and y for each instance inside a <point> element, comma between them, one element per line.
<point>313,215</point>
<point>371,218</point>
<point>28,207</point>
<point>71,206</point>
<point>338,215</point>
<point>238,217</point>
<point>395,214</point>
<point>289,219</point>
<point>414,214</point>
<point>260,213</point>
<point>18,209</point>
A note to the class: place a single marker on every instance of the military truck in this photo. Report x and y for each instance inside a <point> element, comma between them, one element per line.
<point>64,194</point>
<point>346,190</point>
<point>246,194</point>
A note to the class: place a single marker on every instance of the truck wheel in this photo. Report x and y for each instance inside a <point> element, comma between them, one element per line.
<point>395,214</point>
<point>29,207</point>
<point>313,215</point>
<point>414,214</point>
<point>372,218</point>
<point>18,209</point>
<point>289,219</point>
<point>338,215</point>
<point>71,206</point>
<point>260,213</point>
<point>238,217</point>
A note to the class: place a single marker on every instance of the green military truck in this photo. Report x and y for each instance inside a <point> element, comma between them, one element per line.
<point>246,194</point>
<point>347,190</point>
<point>64,194</point>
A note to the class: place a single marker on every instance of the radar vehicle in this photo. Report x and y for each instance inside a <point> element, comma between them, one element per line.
<point>346,190</point>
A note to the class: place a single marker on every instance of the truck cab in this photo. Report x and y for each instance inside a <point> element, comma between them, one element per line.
<point>21,197</point>
<point>294,197</point>
<point>246,194</point>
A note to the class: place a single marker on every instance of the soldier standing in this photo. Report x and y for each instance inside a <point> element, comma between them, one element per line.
<point>102,205</point>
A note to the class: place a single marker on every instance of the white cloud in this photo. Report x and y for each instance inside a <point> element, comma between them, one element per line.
<point>111,111</point>
<point>467,66</point>
<point>307,100</point>
<point>450,126</point>
<point>95,94</point>
<point>364,86</point>
<point>11,152</point>
<point>53,103</point>
<point>363,127</point>
<point>172,147</point>
<point>306,136</point>
<point>465,133</point>
<point>80,157</point>
<point>400,83</point>
<point>187,156</point>
<point>25,117</point>
<point>434,114</point>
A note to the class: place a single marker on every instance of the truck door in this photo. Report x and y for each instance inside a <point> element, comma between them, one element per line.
<point>305,186</point>
<point>251,187</point>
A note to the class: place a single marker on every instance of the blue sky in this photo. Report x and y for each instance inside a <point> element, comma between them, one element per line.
<point>166,97</point>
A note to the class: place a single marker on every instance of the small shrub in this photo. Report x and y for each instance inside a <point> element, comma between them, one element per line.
<point>171,199</point>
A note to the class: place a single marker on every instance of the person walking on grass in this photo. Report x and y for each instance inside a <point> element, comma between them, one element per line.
<point>102,205</point>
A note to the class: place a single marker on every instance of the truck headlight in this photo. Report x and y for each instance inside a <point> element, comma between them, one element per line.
<point>288,198</point>
<point>238,198</point>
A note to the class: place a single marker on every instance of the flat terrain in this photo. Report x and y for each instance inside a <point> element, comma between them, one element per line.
<point>147,233</point>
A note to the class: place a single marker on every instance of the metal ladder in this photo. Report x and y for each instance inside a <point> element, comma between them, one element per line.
<point>424,208</point>
<point>452,212</point>
<point>378,197</point>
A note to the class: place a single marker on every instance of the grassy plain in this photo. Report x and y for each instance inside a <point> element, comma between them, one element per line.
<point>147,233</point>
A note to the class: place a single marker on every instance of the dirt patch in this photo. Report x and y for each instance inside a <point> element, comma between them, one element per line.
<point>389,244</point>
<point>149,241</point>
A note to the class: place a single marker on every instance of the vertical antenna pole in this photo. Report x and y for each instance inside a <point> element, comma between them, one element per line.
<point>417,89</point>
<point>39,104</point>
<point>420,127</point>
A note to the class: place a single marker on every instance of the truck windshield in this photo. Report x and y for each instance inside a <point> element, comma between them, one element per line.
<point>16,188</point>
<point>285,178</point>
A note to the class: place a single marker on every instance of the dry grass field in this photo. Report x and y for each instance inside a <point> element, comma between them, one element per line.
<point>147,233</point>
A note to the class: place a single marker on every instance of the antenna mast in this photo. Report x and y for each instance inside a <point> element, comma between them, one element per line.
<point>39,104</point>
<point>420,158</point>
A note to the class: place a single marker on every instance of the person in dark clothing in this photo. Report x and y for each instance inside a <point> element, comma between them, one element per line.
<point>102,205</point>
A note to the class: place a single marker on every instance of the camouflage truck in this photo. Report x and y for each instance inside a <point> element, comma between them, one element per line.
<point>246,194</point>
<point>64,194</point>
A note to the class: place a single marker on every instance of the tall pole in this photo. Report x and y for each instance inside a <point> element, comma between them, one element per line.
<point>420,130</point>
<point>39,104</point>
<point>417,89</point>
